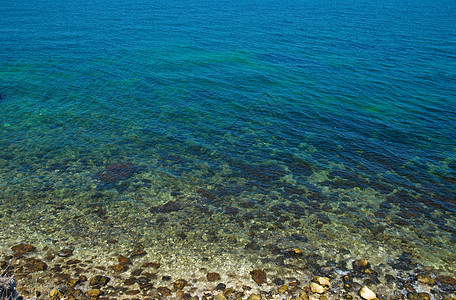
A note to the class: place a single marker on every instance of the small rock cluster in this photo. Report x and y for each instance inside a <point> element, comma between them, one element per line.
<point>70,278</point>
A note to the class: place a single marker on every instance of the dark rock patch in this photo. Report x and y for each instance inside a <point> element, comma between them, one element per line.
<point>213,276</point>
<point>259,276</point>
<point>21,249</point>
<point>168,207</point>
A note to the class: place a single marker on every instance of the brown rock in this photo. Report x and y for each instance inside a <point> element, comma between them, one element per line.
<point>259,276</point>
<point>119,268</point>
<point>282,289</point>
<point>164,291</point>
<point>72,282</point>
<point>130,281</point>
<point>304,296</point>
<point>99,280</point>
<point>213,277</point>
<point>152,265</point>
<point>179,284</point>
<point>132,292</point>
<point>31,265</point>
<point>65,253</point>
<point>360,265</point>
<point>55,294</point>
<point>23,248</point>
<point>124,260</point>
<point>94,293</point>
<point>424,296</point>
<point>137,272</point>
<point>446,280</point>
<point>426,279</point>
<point>138,253</point>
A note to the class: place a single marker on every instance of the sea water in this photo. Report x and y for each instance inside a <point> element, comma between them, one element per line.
<point>217,134</point>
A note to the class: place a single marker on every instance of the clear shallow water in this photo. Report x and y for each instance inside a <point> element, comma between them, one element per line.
<point>208,132</point>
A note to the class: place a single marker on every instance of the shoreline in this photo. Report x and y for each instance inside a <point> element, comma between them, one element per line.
<point>64,274</point>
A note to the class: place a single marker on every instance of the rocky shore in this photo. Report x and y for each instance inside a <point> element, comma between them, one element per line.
<point>50,274</point>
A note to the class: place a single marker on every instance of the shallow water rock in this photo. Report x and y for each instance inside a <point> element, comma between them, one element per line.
<point>213,276</point>
<point>323,281</point>
<point>164,291</point>
<point>119,268</point>
<point>282,289</point>
<point>179,284</point>
<point>446,280</point>
<point>360,265</point>
<point>124,260</point>
<point>168,207</point>
<point>426,279</point>
<point>72,282</point>
<point>115,172</point>
<point>94,293</point>
<point>254,297</point>
<point>99,280</point>
<point>317,288</point>
<point>366,293</point>
<point>278,281</point>
<point>31,265</point>
<point>23,248</point>
<point>55,294</point>
<point>65,253</point>
<point>219,296</point>
<point>259,276</point>
<point>424,296</point>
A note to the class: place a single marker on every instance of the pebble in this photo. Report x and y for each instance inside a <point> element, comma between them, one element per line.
<point>259,276</point>
<point>220,296</point>
<point>316,288</point>
<point>254,297</point>
<point>304,296</point>
<point>164,291</point>
<point>220,287</point>
<point>179,284</point>
<point>367,293</point>
<point>213,276</point>
<point>282,289</point>
<point>426,279</point>
<point>94,293</point>
<point>55,293</point>
<point>323,281</point>
<point>65,253</point>
<point>72,282</point>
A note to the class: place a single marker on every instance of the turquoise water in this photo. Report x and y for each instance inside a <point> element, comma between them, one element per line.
<point>208,132</point>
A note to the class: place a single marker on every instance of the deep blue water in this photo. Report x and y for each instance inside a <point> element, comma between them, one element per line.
<point>290,118</point>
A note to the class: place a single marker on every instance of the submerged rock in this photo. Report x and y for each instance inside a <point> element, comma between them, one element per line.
<point>115,172</point>
<point>168,207</point>
<point>259,276</point>
<point>213,276</point>
<point>426,279</point>
<point>446,281</point>
<point>360,265</point>
<point>179,284</point>
<point>23,248</point>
